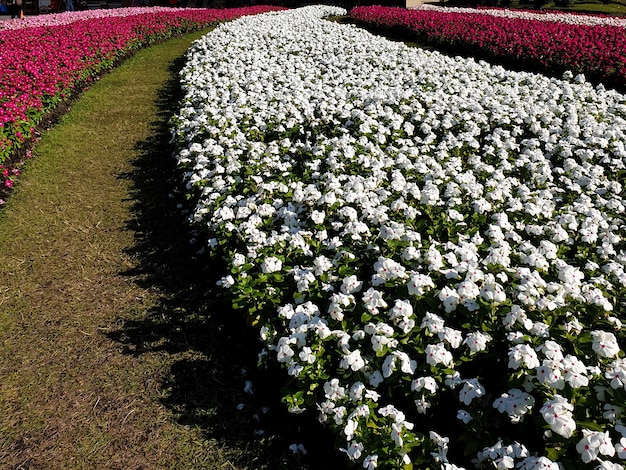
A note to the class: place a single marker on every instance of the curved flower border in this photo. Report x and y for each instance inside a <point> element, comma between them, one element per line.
<point>46,59</point>
<point>431,247</point>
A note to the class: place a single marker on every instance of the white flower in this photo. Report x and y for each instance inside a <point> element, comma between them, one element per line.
<point>515,404</point>
<point>522,355</point>
<point>318,216</point>
<point>611,412</point>
<point>573,326</point>
<point>549,373</point>
<point>226,281</point>
<point>307,355</point>
<point>351,284</point>
<point>433,258</point>
<point>373,300</point>
<point>370,462</point>
<point>419,284</point>
<point>356,391</point>
<point>387,270</point>
<point>350,427</point>
<point>517,315</point>
<point>471,389</point>
<point>376,378</point>
<point>464,416</point>
<point>450,299</point>
<point>401,310</point>
<point>352,361</point>
<point>605,344</point>
<point>392,411</point>
<point>372,395</point>
<point>396,434</point>
<point>338,302</point>
<point>354,450</point>
<point>620,448</point>
<point>271,264</point>
<point>303,278</point>
<point>422,405</point>
<point>390,364</point>
<point>333,391</point>
<point>284,352</point>
<point>558,414</point>
<point>438,354</point>
<point>239,259</point>
<point>467,290</point>
<point>538,463</point>
<point>616,372</point>
<point>575,372</point>
<point>477,341</point>
<point>434,323</point>
<point>427,383</point>
<point>551,350</point>
<point>593,444</point>
<point>453,337</point>
<point>492,291</point>
<point>453,380</point>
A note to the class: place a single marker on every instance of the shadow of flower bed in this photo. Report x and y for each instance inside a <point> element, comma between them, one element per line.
<point>213,382</point>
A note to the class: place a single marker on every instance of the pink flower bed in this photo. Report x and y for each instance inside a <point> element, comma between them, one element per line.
<point>597,51</point>
<point>70,17</point>
<point>589,19</point>
<point>44,59</point>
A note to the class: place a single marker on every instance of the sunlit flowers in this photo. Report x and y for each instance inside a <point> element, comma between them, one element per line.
<point>449,236</point>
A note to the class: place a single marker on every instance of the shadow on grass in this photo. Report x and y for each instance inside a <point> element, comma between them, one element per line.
<point>212,350</point>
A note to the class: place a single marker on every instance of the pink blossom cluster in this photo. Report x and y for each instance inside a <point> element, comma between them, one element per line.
<point>47,58</point>
<point>71,16</point>
<point>597,51</point>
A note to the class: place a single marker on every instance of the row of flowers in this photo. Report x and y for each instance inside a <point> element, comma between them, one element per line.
<point>431,247</point>
<point>46,59</point>
<point>553,47</point>
<point>542,15</point>
<point>72,16</point>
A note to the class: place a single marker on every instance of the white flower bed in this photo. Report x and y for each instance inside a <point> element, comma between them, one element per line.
<point>432,247</point>
<point>556,17</point>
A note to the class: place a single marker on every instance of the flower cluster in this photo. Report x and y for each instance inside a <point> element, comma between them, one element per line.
<point>431,247</point>
<point>594,49</point>
<point>68,17</point>
<point>534,15</point>
<point>44,59</point>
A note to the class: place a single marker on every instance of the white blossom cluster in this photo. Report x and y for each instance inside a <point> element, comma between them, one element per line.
<point>410,228</point>
<point>555,17</point>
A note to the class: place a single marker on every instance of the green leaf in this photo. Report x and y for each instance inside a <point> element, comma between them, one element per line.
<point>554,453</point>
<point>590,425</point>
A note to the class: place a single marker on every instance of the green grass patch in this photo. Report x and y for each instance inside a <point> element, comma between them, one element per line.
<point>613,8</point>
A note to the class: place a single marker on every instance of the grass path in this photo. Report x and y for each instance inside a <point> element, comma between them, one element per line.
<point>96,315</point>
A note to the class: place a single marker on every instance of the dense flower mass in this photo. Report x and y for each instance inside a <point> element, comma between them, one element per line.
<point>43,59</point>
<point>596,49</point>
<point>535,15</point>
<point>431,247</point>
<point>72,16</point>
